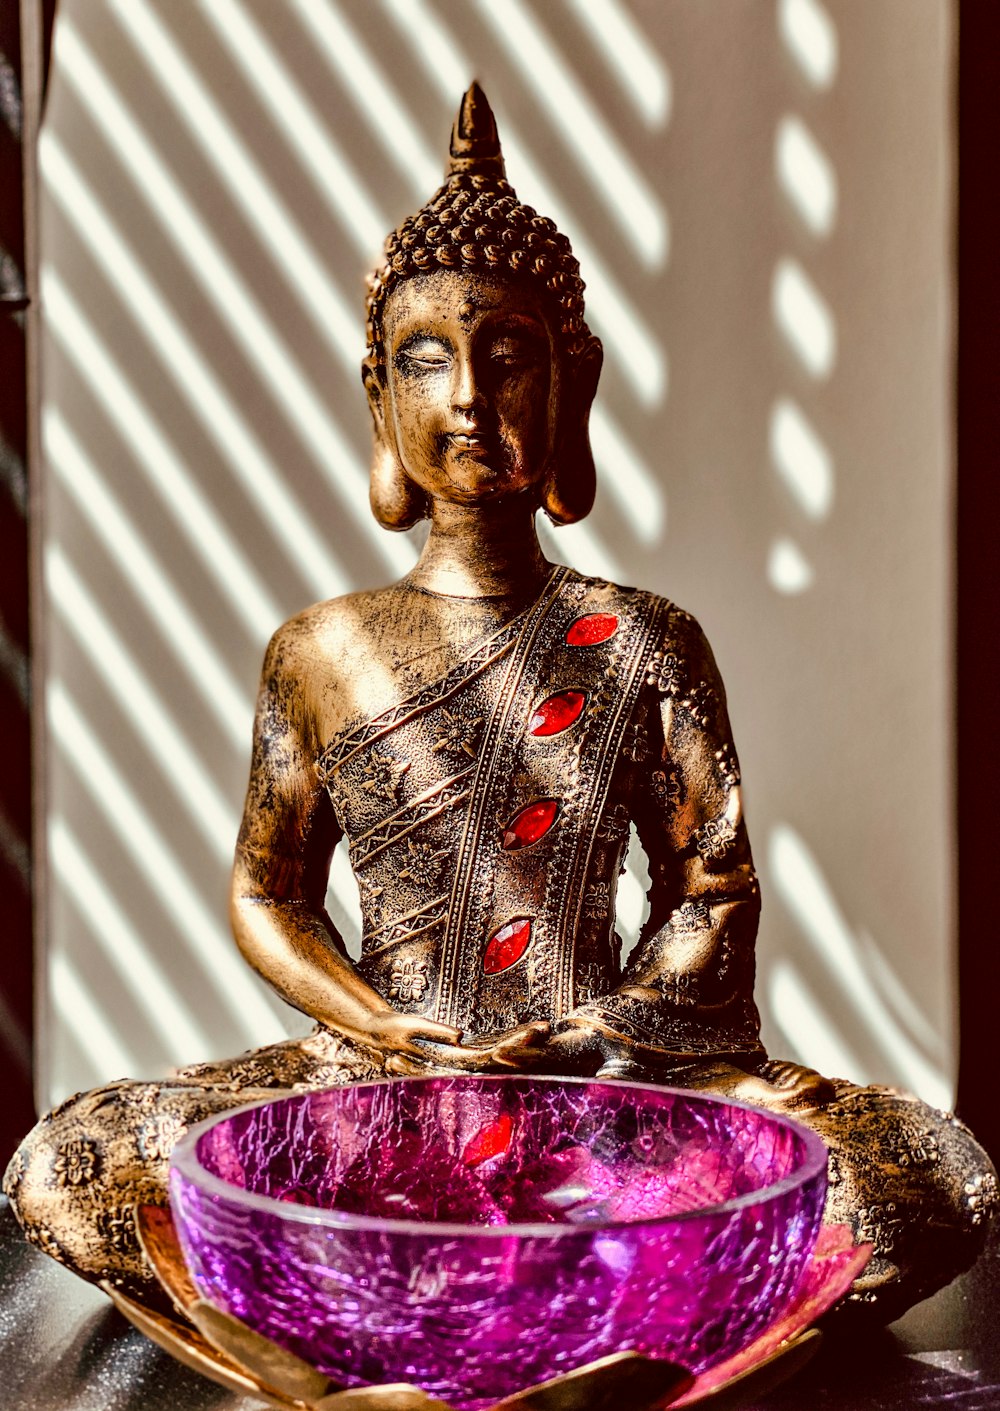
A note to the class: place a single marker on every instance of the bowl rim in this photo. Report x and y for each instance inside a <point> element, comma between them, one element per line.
<point>184,1163</point>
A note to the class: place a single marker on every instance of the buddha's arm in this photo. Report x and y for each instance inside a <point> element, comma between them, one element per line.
<point>687,990</point>
<point>283,857</point>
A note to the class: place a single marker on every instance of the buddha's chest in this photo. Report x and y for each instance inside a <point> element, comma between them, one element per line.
<point>488,812</point>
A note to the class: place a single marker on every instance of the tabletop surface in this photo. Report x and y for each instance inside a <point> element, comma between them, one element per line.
<point>64,1348</point>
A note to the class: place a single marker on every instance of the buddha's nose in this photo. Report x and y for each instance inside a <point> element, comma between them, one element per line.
<point>467,396</point>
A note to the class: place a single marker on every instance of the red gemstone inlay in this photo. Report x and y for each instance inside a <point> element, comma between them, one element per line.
<point>532,823</point>
<point>493,1140</point>
<point>557,713</point>
<point>594,627</point>
<point>506,946</point>
<point>297,1195</point>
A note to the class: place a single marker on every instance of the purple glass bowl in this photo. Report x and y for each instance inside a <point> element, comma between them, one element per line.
<point>477,1235</point>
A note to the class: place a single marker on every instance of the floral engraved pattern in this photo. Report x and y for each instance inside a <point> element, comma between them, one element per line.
<point>690,919</point>
<point>117,1228</point>
<point>666,786</point>
<point>917,1148</point>
<point>424,866</point>
<point>14,1175</point>
<point>637,744</point>
<point>249,1073</point>
<point>43,1238</point>
<point>700,703</point>
<point>679,986</point>
<point>877,1225</point>
<point>382,776</point>
<point>716,839</point>
<point>145,1096</point>
<point>597,901</point>
<point>408,981</point>
<point>458,736</point>
<point>728,765</point>
<point>158,1138</point>
<point>981,1196</point>
<point>368,889</point>
<point>76,1163</point>
<point>614,824</point>
<point>666,673</point>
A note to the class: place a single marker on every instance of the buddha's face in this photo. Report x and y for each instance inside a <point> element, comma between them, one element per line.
<point>469,390</point>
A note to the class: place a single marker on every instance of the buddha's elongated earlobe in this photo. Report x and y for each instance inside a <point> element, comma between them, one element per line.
<point>396,502</point>
<point>568,494</point>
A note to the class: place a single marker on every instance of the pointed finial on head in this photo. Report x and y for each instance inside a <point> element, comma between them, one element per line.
<point>475,142</point>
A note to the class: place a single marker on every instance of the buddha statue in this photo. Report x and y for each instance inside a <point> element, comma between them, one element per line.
<point>483,733</point>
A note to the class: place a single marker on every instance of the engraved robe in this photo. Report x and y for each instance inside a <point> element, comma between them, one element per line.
<point>488,817</point>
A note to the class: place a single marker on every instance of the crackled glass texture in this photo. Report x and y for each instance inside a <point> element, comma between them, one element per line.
<point>478,1235</point>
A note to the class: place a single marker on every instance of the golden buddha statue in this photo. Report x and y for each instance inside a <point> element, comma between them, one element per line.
<point>484,732</point>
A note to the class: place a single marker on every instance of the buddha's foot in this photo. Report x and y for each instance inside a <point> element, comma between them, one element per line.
<point>910,1180</point>
<point>76,1178</point>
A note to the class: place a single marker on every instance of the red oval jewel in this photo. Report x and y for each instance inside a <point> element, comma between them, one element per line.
<point>532,823</point>
<point>594,627</point>
<point>557,713</point>
<point>492,1140</point>
<point>506,946</point>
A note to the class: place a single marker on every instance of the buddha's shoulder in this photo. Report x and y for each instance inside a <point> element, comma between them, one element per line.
<point>676,623</point>
<point>334,630</point>
<point>680,632</point>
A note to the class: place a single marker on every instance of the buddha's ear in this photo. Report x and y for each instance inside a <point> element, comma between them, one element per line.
<point>572,481</point>
<point>396,502</point>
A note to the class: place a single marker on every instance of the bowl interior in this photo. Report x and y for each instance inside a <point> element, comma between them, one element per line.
<point>500,1151</point>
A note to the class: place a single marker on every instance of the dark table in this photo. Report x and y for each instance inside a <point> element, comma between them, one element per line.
<point>64,1348</point>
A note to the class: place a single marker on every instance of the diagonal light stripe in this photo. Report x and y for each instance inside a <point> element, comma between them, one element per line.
<point>630,55</point>
<point>804,317</point>
<point>194,652</point>
<point>358,72</point>
<point>279,371</point>
<point>241,174</point>
<point>809,1032</point>
<point>252,467</point>
<point>15,1040</point>
<point>606,163</point>
<point>622,472</point>
<point>788,569</point>
<point>579,545</point>
<point>296,117</point>
<point>901,1002</point>
<point>82,1015</point>
<point>238,581</point>
<point>234,987</point>
<point>810,36</point>
<point>14,850</point>
<point>801,458</point>
<point>14,665</point>
<point>805,891</point>
<point>639,355</point>
<point>179,762</point>
<point>806,174</point>
<point>151,987</point>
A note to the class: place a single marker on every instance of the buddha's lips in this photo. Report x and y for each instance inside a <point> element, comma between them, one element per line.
<point>469,442</point>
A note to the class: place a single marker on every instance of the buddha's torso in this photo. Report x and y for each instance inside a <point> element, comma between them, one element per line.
<point>485,774</point>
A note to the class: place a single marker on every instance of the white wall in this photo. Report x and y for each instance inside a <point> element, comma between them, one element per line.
<point>760,196</point>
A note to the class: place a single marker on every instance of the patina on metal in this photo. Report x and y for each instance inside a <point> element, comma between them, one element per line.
<point>483,733</point>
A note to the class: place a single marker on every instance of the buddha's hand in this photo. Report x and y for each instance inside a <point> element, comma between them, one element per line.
<point>515,1050</point>
<point>405,1040</point>
<point>581,1045</point>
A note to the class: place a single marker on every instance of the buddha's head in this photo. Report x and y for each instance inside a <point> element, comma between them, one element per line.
<point>480,370</point>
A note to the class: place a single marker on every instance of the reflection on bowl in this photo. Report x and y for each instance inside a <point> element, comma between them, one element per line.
<point>476,1235</point>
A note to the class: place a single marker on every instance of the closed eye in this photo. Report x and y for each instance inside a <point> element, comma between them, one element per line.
<point>421,353</point>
